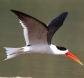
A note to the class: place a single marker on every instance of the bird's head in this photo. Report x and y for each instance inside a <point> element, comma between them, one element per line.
<point>63,51</point>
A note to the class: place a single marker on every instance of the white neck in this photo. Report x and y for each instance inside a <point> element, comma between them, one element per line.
<point>57,51</point>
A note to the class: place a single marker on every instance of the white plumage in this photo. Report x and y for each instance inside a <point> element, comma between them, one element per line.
<point>25,31</point>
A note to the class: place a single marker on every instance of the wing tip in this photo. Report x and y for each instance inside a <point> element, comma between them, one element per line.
<point>14,11</point>
<point>64,13</point>
<point>19,14</point>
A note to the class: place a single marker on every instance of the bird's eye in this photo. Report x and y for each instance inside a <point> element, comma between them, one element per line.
<point>61,48</point>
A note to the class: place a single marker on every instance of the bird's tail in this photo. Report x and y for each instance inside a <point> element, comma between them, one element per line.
<point>11,52</point>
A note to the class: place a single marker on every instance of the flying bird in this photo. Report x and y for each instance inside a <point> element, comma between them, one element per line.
<point>38,37</point>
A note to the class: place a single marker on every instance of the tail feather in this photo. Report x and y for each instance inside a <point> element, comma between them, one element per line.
<point>11,52</point>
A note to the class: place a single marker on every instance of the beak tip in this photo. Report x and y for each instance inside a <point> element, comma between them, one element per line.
<point>81,63</point>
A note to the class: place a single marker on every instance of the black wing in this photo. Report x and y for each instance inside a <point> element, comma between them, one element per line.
<point>55,25</point>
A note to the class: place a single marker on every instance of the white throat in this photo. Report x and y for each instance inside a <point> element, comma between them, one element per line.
<point>57,51</point>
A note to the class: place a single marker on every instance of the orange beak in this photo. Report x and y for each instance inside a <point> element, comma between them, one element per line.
<point>72,56</point>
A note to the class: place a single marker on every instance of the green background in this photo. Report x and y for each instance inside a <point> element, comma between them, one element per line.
<point>70,35</point>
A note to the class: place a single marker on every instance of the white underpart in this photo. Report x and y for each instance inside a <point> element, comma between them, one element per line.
<point>26,49</point>
<point>56,51</point>
<point>25,32</point>
<point>13,52</point>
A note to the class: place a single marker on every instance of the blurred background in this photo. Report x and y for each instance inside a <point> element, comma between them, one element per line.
<point>70,35</point>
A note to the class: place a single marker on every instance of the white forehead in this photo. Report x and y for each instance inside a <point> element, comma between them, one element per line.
<point>57,51</point>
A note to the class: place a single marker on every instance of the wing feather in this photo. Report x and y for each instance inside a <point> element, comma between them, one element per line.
<point>35,31</point>
<point>55,24</point>
<point>25,31</point>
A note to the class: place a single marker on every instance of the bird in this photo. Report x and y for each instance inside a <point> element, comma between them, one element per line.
<point>38,37</point>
